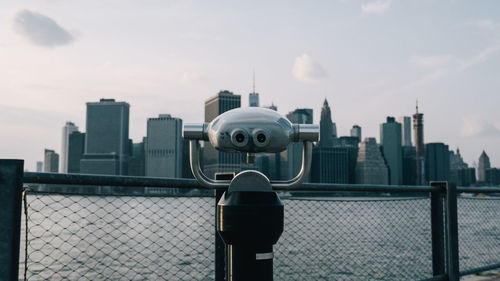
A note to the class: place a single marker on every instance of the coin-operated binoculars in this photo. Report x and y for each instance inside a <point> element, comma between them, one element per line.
<point>250,213</point>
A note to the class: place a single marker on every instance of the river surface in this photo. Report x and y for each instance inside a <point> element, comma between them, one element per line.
<point>171,238</point>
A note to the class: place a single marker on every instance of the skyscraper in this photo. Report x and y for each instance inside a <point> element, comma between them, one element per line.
<point>76,149</point>
<point>39,166</point>
<point>484,164</point>
<point>253,99</point>
<point>50,161</point>
<point>356,132</point>
<point>291,159</point>
<point>390,139</point>
<point>437,162</point>
<point>217,161</point>
<point>405,122</point>
<point>164,147</point>
<point>371,167</point>
<point>418,132</point>
<point>328,131</point>
<point>67,130</point>
<point>137,161</point>
<point>330,164</point>
<point>107,146</point>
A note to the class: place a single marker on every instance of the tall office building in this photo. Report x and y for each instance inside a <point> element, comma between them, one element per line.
<point>328,130</point>
<point>418,132</point>
<point>291,159</point>
<point>330,164</point>
<point>371,167</point>
<point>137,161</point>
<point>484,164</point>
<point>460,173</point>
<point>253,99</point>
<point>390,139</point>
<point>68,128</point>
<point>39,166</point>
<point>405,122</point>
<point>356,132</point>
<point>50,161</point>
<point>76,149</point>
<point>107,146</point>
<point>164,147</point>
<point>217,161</point>
<point>437,162</point>
<point>409,165</point>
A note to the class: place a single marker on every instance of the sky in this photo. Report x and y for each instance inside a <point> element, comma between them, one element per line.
<point>369,58</point>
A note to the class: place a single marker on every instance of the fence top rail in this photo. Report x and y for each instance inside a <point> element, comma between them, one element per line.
<point>478,189</point>
<point>86,179</point>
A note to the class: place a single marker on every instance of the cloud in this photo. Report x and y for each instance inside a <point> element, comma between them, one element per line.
<point>306,70</point>
<point>376,7</point>
<point>485,24</point>
<point>435,61</point>
<point>190,77</point>
<point>480,57</point>
<point>40,30</point>
<point>475,127</point>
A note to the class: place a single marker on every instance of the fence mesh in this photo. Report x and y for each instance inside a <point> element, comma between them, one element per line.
<point>478,231</point>
<point>119,238</point>
<point>355,240</point>
<point>75,237</point>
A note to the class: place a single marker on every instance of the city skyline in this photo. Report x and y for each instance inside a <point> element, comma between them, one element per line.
<point>370,59</point>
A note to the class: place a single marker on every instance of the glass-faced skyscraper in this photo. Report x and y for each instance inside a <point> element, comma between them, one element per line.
<point>390,139</point>
<point>418,132</point>
<point>68,128</point>
<point>215,161</point>
<point>405,122</point>
<point>107,146</point>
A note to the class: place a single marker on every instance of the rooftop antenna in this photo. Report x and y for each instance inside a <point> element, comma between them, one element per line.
<point>254,80</point>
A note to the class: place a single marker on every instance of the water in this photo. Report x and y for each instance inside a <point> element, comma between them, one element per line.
<point>169,238</point>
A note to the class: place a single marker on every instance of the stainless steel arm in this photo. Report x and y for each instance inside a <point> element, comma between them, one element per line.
<point>194,156</point>
<point>304,170</point>
<point>210,183</point>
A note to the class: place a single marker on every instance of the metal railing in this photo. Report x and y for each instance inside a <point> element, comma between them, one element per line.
<point>136,229</point>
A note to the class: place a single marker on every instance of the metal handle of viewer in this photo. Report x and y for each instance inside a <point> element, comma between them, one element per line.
<point>194,149</point>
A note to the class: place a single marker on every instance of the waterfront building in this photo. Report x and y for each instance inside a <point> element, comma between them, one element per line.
<point>390,139</point>
<point>371,167</point>
<point>253,99</point>
<point>328,130</point>
<point>356,132</point>
<point>457,168</point>
<point>492,176</point>
<point>484,164</point>
<point>409,165</point>
<point>291,159</point>
<point>107,146</point>
<point>217,161</point>
<point>164,147</point>
<point>76,149</point>
<point>272,107</point>
<point>437,162</point>
<point>50,161</point>
<point>405,122</point>
<point>330,164</point>
<point>137,161</point>
<point>68,128</point>
<point>39,166</point>
<point>465,176</point>
<point>418,132</point>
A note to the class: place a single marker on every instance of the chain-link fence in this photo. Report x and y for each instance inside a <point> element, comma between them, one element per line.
<point>73,237</point>
<point>479,231</point>
<point>90,237</point>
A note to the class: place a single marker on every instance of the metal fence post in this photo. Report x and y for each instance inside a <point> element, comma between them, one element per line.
<point>11,180</point>
<point>220,247</point>
<point>452,232</point>
<point>437,229</point>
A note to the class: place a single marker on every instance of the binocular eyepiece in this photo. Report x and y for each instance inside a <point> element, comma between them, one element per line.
<point>251,130</point>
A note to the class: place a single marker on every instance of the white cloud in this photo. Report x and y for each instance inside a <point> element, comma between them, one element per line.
<point>485,24</point>
<point>434,61</point>
<point>376,7</point>
<point>475,127</point>
<point>190,77</point>
<point>40,30</point>
<point>306,70</point>
<point>480,57</point>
